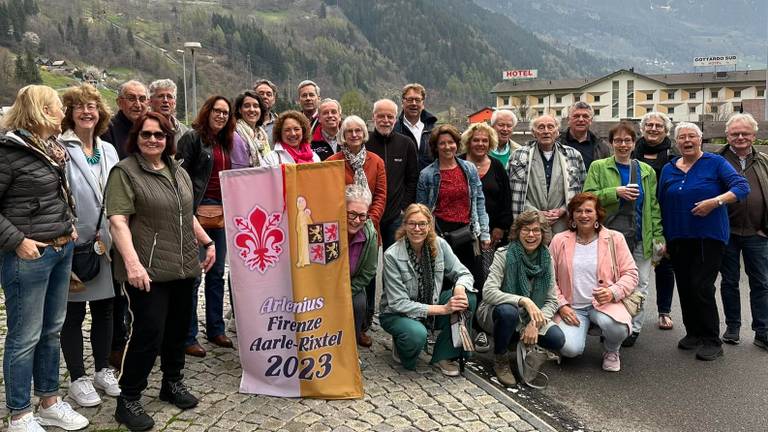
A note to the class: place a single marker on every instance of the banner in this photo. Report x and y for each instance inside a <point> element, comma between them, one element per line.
<point>287,250</point>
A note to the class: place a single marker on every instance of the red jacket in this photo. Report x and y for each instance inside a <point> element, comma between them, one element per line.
<point>377,183</point>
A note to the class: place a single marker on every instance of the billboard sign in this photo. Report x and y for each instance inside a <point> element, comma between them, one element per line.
<point>727,60</point>
<point>520,74</point>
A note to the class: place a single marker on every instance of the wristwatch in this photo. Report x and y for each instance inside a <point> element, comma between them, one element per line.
<point>209,244</point>
<point>719,202</point>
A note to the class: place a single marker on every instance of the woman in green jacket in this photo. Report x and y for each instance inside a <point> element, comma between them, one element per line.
<point>363,254</point>
<point>610,180</point>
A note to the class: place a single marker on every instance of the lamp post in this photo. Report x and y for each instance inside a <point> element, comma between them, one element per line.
<point>184,70</point>
<point>192,46</point>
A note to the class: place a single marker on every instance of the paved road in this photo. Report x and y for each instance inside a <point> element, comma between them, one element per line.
<point>660,388</point>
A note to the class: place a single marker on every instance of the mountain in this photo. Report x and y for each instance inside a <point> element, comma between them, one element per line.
<point>651,35</point>
<point>357,50</point>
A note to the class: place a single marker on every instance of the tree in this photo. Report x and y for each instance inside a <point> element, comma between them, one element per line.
<point>32,71</point>
<point>180,100</point>
<point>5,22</point>
<point>166,38</point>
<point>353,102</point>
<point>322,13</point>
<point>30,7</point>
<point>129,37</point>
<point>20,71</point>
<point>70,29</point>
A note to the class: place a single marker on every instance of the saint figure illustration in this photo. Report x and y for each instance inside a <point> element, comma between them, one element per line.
<point>303,220</point>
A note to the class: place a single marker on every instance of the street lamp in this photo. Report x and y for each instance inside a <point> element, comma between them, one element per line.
<point>192,46</point>
<point>184,69</point>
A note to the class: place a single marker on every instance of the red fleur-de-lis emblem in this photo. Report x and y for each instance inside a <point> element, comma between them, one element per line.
<point>259,239</point>
<point>331,232</point>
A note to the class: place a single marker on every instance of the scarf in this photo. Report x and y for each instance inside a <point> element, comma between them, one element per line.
<point>642,147</point>
<point>425,270</point>
<point>356,161</point>
<point>521,268</point>
<point>300,155</point>
<point>256,140</point>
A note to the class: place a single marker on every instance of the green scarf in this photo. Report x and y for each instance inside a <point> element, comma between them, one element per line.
<point>521,268</point>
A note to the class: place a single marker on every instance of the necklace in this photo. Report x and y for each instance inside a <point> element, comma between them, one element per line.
<point>95,158</point>
<point>582,241</point>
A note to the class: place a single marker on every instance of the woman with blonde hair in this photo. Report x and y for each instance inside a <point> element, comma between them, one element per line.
<point>414,298</point>
<point>37,220</point>
<point>91,159</point>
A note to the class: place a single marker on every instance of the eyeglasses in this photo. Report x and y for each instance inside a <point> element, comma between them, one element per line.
<point>654,126</point>
<point>741,134</point>
<point>133,98</point>
<point>86,107</point>
<point>526,231</point>
<point>626,141</point>
<point>413,100</point>
<point>159,136</point>
<point>362,217</point>
<point>356,131</point>
<point>218,112</point>
<point>419,225</point>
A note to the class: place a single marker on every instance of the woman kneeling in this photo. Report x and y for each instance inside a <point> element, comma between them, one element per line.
<point>519,297</point>
<point>413,297</point>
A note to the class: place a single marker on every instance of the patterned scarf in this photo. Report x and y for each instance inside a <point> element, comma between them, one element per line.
<point>300,155</point>
<point>521,268</point>
<point>356,161</point>
<point>256,140</point>
<point>425,270</point>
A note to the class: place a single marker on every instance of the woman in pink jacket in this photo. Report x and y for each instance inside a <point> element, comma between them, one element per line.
<point>594,270</point>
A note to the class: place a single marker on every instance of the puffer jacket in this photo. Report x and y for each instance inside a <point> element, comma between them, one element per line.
<point>196,158</point>
<point>34,198</point>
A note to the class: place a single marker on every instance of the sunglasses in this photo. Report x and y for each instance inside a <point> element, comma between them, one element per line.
<point>159,136</point>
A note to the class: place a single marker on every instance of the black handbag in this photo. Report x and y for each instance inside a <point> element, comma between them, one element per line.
<point>86,262</point>
<point>459,237</point>
<point>623,220</point>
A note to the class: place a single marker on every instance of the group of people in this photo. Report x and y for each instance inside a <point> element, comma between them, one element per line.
<point>532,244</point>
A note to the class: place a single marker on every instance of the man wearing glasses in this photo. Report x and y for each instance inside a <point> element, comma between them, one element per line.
<point>545,174</point>
<point>415,122</point>
<point>162,99</point>
<point>749,233</point>
<point>578,135</point>
<point>132,103</point>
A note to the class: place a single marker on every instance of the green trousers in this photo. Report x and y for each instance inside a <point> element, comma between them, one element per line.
<point>410,335</point>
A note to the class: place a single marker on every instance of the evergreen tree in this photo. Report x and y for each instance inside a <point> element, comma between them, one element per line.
<point>32,71</point>
<point>30,7</point>
<point>83,39</point>
<point>180,100</point>
<point>129,36</point>
<point>70,29</point>
<point>20,72</point>
<point>322,13</point>
<point>166,38</point>
<point>5,22</point>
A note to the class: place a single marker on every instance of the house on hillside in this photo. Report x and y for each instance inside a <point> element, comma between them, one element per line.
<point>626,94</point>
<point>484,115</point>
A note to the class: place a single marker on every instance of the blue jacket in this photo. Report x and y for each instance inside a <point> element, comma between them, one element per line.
<point>429,186</point>
<point>422,142</point>
<point>679,192</point>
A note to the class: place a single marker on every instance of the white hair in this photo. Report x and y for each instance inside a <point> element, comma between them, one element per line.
<point>535,121</point>
<point>380,102</point>
<point>500,112</point>
<point>659,115</point>
<point>307,83</point>
<point>687,125</point>
<point>741,117</point>
<point>131,83</point>
<point>357,193</point>
<point>346,124</point>
<point>162,84</point>
<point>582,105</point>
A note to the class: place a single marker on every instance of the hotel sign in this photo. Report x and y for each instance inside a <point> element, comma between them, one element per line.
<point>715,60</point>
<point>520,74</point>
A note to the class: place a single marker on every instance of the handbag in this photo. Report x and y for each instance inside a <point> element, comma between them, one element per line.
<point>86,264</point>
<point>211,216</point>
<point>633,302</point>
<point>460,333</point>
<point>459,237</point>
<point>623,220</point>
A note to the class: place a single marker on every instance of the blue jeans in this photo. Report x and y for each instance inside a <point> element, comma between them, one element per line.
<point>214,288</point>
<point>576,336</point>
<point>505,319</point>
<point>36,294</point>
<point>754,249</point>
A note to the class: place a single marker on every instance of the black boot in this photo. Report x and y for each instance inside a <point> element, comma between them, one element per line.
<point>132,415</point>
<point>176,393</point>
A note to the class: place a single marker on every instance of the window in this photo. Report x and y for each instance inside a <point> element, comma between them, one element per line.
<point>559,113</point>
<point>713,109</point>
<point>559,99</point>
<point>714,93</point>
<point>539,99</point>
<point>760,92</point>
<point>671,94</point>
<point>630,98</point>
<point>737,93</point>
<point>597,98</point>
<point>540,112</point>
<point>597,112</point>
<point>692,109</point>
<point>670,110</point>
<point>615,100</point>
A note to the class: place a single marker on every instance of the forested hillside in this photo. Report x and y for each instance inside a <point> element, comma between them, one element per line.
<point>356,50</point>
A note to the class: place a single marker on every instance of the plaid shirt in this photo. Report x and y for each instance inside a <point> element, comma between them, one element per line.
<point>520,171</point>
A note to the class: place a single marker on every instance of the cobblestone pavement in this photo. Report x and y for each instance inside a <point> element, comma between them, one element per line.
<point>395,399</point>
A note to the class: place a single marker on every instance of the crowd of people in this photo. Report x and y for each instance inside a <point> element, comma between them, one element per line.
<point>530,247</point>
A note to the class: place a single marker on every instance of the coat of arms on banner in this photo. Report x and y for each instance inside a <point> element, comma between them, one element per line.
<point>259,239</point>
<point>323,242</point>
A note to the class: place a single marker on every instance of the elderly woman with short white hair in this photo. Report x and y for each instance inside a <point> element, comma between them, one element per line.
<point>693,192</point>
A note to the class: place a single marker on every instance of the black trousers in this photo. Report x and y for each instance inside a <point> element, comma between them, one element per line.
<point>697,263</point>
<point>159,323</point>
<point>101,335</point>
<point>466,255</point>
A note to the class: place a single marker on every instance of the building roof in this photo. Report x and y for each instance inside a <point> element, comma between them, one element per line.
<point>677,79</point>
<point>481,110</point>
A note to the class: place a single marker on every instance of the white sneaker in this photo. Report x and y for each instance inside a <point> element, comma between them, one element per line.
<point>82,392</point>
<point>61,415</point>
<point>105,380</point>
<point>26,423</point>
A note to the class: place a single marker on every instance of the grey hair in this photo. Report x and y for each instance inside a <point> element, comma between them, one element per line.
<point>660,115</point>
<point>306,83</point>
<point>130,83</point>
<point>162,84</point>
<point>379,102</point>
<point>582,105</point>
<point>742,117</point>
<point>687,125</point>
<point>268,83</point>
<point>504,111</point>
<point>346,124</point>
<point>534,122</point>
<point>329,100</point>
<point>355,192</point>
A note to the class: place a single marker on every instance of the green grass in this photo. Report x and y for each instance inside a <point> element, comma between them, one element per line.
<point>55,80</point>
<point>272,16</point>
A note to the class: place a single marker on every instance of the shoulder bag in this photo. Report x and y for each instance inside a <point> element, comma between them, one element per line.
<point>623,220</point>
<point>633,302</point>
<point>86,262</point>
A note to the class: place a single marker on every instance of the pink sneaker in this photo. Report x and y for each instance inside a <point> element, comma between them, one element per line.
<point>611,362</point>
